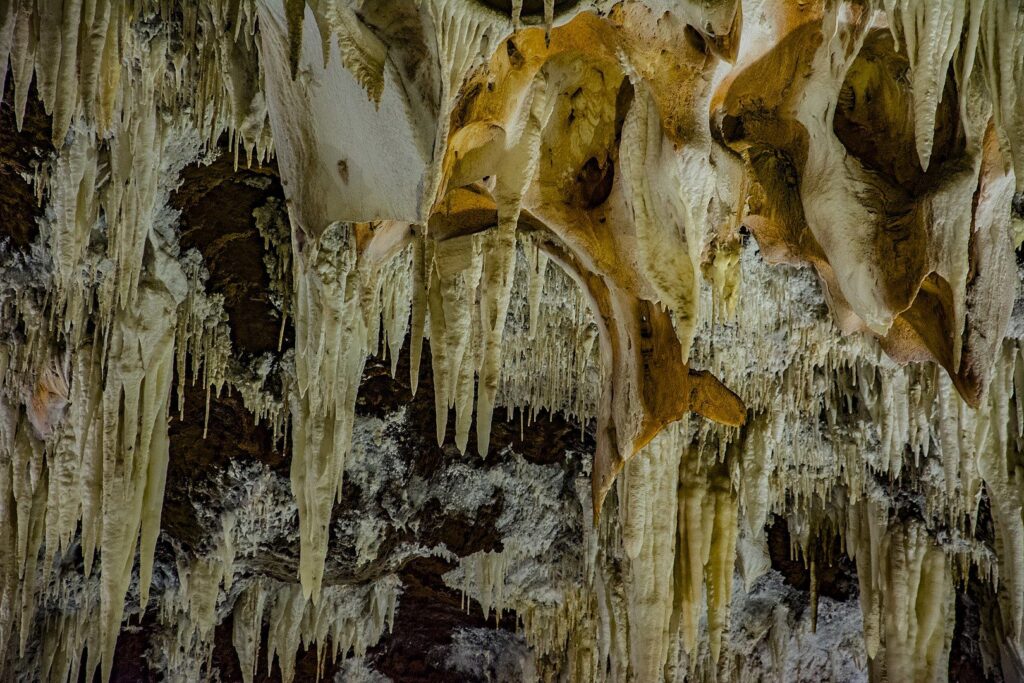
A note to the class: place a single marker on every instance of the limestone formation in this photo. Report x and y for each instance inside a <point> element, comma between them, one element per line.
<point>562,340</point>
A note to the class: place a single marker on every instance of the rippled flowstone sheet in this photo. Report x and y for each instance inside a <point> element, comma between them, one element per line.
<point>511,340</point>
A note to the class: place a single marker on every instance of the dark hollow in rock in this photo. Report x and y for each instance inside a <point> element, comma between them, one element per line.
<point>216,203</point>
<point>20,152</point>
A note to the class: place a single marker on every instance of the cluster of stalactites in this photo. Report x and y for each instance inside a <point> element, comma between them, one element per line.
<point>549,348</point>
<point>458,291</point>
<point>908,570</point>
<point>998,429</point>
<point>921,254</point>
<point>658,578</point>
<point>890,422</point>
<point>91,457</point>
<point>85,458</point>
<point>906,596</point>
<point>345,304</point>
<point>971,34</point>
<point>351,618</point>
<point>104,465</point>
<point>546,361</point>
<point>79,55</point>
<point>463,276</point>
<point>345,621</point>
<point>338,307</point>
<point>188,611</point>
<point>469,287</point>
<point>987,38</point>
<point>114,76</point>
<point>484,575</point>
<point>202,341</point>
<point>899,409</point>
<point>904,424</point>
<point>678,525</point>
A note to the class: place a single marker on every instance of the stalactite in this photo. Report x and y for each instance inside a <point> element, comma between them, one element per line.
<point>669,258</point>
<point>514,175</point>
<point>931,32</point>
<point>331,346</point>
<point>454,278</point>
<point>352,618</point>
<point>134,411</point>
<point>338,294</point>
<point>648,509</point>
<point>906,596</point>
<point>201,334</point>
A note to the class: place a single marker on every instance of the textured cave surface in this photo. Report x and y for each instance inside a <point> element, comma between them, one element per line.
<point>512,340</point>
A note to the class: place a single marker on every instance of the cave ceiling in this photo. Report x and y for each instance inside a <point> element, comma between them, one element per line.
<point>511,340</point>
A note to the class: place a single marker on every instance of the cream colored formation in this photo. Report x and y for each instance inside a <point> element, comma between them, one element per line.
<point>598,160</point>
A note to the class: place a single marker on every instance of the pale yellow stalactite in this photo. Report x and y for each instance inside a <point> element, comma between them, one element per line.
<point>514,175</point>
<point>668,232</point>
<point>72,182</point>
<point>721,560</point>
<point>707,552</point>
<point>130,198</point>
<point>331,347</point>
<point>906,597</point>
<point>931,32</point>
<point>454,277</point>
<point>396,282</point>
<point>134,413</point>
<point>246,629</point>
<point>536,273</point>
<point>417,324</point>
<point>652,500</point>
<point>23,53</point>
<point>22,494</point>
